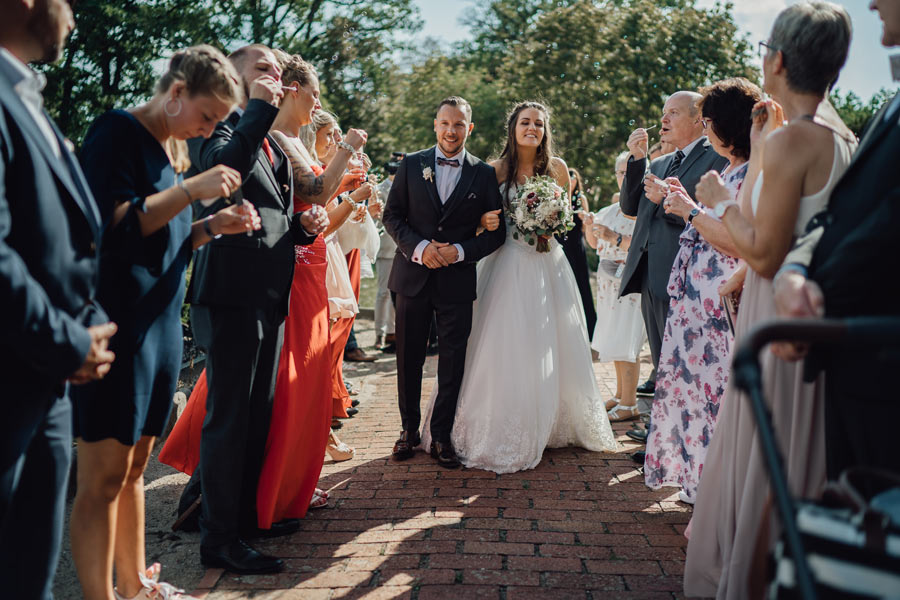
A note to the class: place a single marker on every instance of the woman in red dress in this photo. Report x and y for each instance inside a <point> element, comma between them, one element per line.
<point>299,430</point>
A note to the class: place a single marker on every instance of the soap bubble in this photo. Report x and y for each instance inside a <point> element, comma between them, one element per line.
<point>631,123</point>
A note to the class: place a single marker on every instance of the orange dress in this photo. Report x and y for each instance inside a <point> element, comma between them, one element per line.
<point>340,333</point>
<point>301,414</point>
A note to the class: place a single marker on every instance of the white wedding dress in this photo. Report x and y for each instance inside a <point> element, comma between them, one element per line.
<point>529,381</point>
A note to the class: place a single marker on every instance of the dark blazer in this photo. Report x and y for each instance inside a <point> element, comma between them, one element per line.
<point>414,213</point>
<point>654,228</point>
<point>240,270</point>
<point>49,235</point>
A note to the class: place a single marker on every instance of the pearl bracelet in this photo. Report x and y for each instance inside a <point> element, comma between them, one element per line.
<point>344,145</point>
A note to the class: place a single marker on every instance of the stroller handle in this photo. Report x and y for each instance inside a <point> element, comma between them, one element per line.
<point>878,331</point>
<point>856,330</point>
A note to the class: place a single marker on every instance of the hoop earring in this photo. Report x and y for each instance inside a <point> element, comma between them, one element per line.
<point>166,107</point>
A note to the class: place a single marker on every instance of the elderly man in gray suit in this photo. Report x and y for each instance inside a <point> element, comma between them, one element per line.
<point>655,242</point>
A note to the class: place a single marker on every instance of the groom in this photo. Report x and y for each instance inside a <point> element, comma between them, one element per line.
<point>432,213</point>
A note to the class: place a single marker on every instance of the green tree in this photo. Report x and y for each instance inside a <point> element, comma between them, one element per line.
<point>110,57</point>
<point>856,113</point>
<point>605,68</point>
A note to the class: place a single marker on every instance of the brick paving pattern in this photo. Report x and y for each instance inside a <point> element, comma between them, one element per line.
<point>581,525</point>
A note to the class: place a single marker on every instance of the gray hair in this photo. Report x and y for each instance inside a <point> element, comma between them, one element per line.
<point>622,157</point>
<point>814,38</point>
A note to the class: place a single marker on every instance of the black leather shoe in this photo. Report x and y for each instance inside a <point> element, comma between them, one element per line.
<point>445,455</point>
<point>647,388</point>
<point>404,447</point>
<point>352,411</point>
<point>239,557</point>
<point>354,403</point>
<point>638,435</point>
<point>638,457</point>
<point>283,527</point>
<point>432,350</point>
<point>390,348</point>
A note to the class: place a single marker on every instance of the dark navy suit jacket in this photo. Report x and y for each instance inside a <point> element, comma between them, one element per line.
<point>49,233</point>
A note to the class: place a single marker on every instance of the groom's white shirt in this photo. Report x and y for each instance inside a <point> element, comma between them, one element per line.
<point>446,179</point>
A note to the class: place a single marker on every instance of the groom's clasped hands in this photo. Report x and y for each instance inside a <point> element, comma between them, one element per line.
<point>439,254</point>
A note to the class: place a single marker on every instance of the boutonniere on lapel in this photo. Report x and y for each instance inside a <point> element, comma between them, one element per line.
<point>428,174</point>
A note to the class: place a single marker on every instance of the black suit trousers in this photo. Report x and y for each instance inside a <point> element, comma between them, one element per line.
<point>35,452</point>
<point>654,309</point>
<point>413,323</point>
<point>244,348</point>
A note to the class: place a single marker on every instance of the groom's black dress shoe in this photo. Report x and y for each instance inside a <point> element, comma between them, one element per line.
<point>283,527</point>
<point>404,447</point>
<point>445,455</point>
<point>238,557</point>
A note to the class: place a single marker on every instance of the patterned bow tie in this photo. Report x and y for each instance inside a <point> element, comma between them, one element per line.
<point>447,162</point>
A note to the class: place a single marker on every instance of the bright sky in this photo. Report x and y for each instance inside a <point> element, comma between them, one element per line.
<point>866,71</point>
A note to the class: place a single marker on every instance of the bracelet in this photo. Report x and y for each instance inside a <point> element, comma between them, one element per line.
<point>184,189</point>
<point>347,147</point>
<point>208,230</point>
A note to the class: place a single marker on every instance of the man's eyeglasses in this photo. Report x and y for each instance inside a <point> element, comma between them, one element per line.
<point>765,48</point>
<point>705,122</point>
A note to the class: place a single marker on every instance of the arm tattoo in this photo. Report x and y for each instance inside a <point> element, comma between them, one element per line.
<point>307,184</point>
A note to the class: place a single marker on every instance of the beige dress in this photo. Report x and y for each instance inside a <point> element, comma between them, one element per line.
<point>734,486</point>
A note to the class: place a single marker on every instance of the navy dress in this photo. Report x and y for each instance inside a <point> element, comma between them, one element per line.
<point>141,284</point>
<point>573,247</point>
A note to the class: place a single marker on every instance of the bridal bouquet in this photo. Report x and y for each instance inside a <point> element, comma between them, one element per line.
<point>541,210</point>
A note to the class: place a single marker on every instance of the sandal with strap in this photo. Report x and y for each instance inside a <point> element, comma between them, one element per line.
<point>321,492</point>
<point>611,403</point>
<point>154,589</point>
<point>338,450</point>
<point>318,502</point>
<point>620,412</point>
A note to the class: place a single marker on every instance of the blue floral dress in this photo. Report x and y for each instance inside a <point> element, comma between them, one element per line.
<point>694,360</point>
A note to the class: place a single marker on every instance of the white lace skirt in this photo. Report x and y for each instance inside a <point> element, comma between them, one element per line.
<point>529,382</point>
<point>341,297</point>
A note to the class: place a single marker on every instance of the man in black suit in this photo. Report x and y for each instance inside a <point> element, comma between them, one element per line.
<point>432,213</point>
<point>655,242</point>
<point>846,266</point>
<point>53,333</point>
<point>240,290</point>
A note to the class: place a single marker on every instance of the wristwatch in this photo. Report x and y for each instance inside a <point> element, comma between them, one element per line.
<point>723,206</point>
<point>619,241</point>
<point>694,212</point>
<point>208,230</point>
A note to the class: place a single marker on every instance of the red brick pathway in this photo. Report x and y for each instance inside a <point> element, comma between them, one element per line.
<point>581,525</point>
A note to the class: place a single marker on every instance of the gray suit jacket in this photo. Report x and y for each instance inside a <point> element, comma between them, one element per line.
<point>654,244</point>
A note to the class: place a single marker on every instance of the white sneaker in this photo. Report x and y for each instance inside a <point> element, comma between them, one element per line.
<point>682,495</point>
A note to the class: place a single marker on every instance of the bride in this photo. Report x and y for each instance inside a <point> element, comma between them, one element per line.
<point>529,382</point>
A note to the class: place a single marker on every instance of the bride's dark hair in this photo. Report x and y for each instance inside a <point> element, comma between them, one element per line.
<point>510,154</point>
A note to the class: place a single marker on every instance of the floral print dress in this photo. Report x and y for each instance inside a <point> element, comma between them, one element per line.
<point>694,360</point>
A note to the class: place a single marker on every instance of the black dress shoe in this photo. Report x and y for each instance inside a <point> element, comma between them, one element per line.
<point>445,455</point>
<point>647,388</point>
<point>238,557</point>
<point>354,403</point>
<point>432,350</point>
<point>638,457</point>
<point>283,527</point>
<point>404,447</point>
<point>352,411</point>
<point>638,435</point>
<point>390,348</point>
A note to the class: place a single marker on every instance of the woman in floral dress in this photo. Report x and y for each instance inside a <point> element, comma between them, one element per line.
<point>694,359</point>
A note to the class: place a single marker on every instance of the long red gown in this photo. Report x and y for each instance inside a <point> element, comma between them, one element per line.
<point>301,414</point>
